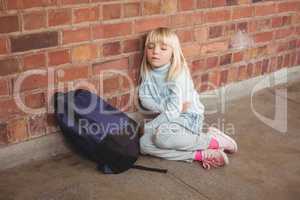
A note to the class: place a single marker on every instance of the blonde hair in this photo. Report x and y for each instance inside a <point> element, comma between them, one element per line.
<point>178,62</point>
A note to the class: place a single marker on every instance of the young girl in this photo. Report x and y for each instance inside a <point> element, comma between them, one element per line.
<point>167,89</point>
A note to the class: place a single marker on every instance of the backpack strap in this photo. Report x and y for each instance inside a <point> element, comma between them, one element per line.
<point>140,167</point>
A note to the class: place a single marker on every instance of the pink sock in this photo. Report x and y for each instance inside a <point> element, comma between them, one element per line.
<point>214,144</point>
<point>198,156</point>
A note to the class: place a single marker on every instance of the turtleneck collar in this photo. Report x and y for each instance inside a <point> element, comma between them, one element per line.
<point>162,69</point>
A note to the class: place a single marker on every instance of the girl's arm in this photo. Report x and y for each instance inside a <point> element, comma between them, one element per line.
<point>146,96</point>
<point>172,108</point>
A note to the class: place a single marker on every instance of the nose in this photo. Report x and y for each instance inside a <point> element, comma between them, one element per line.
<point>156,49</point>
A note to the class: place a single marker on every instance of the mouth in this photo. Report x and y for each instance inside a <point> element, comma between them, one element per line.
<point>155,58</point>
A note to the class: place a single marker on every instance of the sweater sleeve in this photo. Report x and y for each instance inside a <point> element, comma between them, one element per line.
<point>146,96</point>
<point>172,107</point>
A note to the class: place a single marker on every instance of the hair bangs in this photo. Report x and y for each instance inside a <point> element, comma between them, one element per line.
<point>162,36</point>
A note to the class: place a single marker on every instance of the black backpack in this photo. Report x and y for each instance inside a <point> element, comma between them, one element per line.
<point>99,131</point>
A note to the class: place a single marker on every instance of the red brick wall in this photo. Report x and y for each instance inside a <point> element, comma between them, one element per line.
<point>72,41</point>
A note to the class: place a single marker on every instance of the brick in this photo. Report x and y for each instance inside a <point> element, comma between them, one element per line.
<point>86,14</point>
<point>34,20</point>
<point>297,30</point>
<point>132,9</point>
<point>215,31</point>
<point>232,75</point>
<point>238,56</point>
<point>135,61</point>
<point>76,35</point>
<point>9,24</point>
<point>185,35</point>
<point>232,2</point>
<point>262,51</point>
<point>126,82</point>
<point>118,64</point>
<point>73,73</point>
<point>186,4</point>
<point>214,79</point>
<point>197,18</point>
<point>125,104</point>
<point>249,70</point>
<point>286,60</point>
<point>168,6</point>
<point>34,61</point>
<point>261,25</point>
<point>37,125</point>
<point>218,3</point>
<point>212,62</point>
<point>151,7</point>
<point>34,81</point>
<point>225,59</point>
<point>293,44</point>
<point>263,10</point>
<point>113,101</point>
<point>9,66</point>
<point>58,17</point>
<point>35,100</point>
<point>191,50</point>
<point>293,59</point>
<point>242,73</point>
<point>283,33</point>
<point>144,25</point>
<point>84,53</point>
<point>263,37</point>
<point>286,20</point>
<point>111,30</point>
<point>214,47</point>
<point>4,87</point>
<point>230,29</point>
<point>113,48</point>
<point>34,3</point>
<point>265,66</point>
<point>203,4</point>
<point>279,62</point>
<point>217,16</point>
<point>59,57</point>
<point>204,82</point>
<point>3,133</point>
<point>197,66</point>
<point>242,12</point>
<point>131,45</point>
<point>111,85</point>
<point>243,26</point>
<point>111,11</point>
<point>181,20</point>
<point>288,6</point>
<point>257,68</point>
<point>34,41</point>
<point>273,64</point>
<point>284,46</point>
<point>223,77</point>
<point>16,130</point>
<point>3,46</point>
<point>277,22</point>
<point>14,4</point>
<point>8,108</point>
<point>72,2</point>
<point>201,34</point>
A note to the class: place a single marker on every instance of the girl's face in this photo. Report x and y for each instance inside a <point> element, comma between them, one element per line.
<point>158,54</point>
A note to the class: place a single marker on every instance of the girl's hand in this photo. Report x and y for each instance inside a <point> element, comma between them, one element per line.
<point>185,106</point>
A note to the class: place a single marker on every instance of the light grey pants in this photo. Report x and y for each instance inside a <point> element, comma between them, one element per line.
<point>172,141</point>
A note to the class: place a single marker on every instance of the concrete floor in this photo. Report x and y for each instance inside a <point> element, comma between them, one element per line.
<point>267,165</point>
